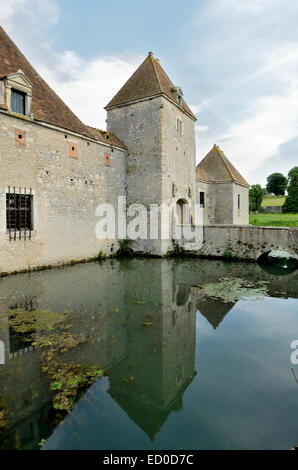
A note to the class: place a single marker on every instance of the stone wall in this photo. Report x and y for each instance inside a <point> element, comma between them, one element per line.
<point>66,191</point>
<point>245,242</point>
<point>160,164</point>
<point>138,126</point>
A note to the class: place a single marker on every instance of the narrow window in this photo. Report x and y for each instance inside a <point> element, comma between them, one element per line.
<point>202,200</point>
<point>19,214</point>
<point>238,202</point>
<point>17,102</point>
<point>107,160</point>
<point>73,150</point>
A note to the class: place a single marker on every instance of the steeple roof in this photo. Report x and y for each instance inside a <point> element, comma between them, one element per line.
<point>218,168</point>
<point>150,79</point>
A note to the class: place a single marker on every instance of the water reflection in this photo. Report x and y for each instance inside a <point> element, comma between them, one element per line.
<point>140,320</point>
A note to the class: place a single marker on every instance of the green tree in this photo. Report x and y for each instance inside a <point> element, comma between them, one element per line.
<point>291,203</point>
<point>292,172</point>
<point>256,195</point>
<point>277,184</point>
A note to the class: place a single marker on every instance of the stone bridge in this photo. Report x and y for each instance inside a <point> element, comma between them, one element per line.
<point>245,242</point>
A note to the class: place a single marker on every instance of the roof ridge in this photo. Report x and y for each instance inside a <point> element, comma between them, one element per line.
<point>155,71</point>
<point>219,151</point>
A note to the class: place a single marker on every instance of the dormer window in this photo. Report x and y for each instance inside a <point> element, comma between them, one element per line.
<point>17,94</point>
<point>17,102</point>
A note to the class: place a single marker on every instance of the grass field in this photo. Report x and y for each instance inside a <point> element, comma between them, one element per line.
<point>274,220</point>
<point>273,201</point>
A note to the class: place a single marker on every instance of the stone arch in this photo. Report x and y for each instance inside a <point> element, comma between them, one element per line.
<point>264,258</point>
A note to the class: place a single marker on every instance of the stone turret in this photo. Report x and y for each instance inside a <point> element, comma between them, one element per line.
<point>150,116</point>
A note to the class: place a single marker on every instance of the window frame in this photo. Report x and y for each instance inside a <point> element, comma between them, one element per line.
<point>202,197</point>
<point>19,213</point>
<point>18,93</point>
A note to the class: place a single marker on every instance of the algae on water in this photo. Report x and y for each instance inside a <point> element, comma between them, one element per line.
<point>50,332</point>
<point>232,290</point>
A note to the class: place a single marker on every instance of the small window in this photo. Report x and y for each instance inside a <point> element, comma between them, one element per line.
<point>73,150</point>
<point>179,126</point>
<point>17,102</point>
<point>19,213</point>
<point>239,202</point>
<point>107,159</point>
<point>202,199</point>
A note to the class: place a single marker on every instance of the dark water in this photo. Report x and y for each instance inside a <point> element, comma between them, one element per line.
<point>196,352</point>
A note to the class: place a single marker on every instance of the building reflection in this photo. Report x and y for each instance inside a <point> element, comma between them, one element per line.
<point>140,321</point>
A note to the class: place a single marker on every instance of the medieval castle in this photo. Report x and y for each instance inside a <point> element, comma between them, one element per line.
<point>55,170</point>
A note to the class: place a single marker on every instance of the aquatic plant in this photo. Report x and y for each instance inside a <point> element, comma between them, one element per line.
<point>232,290</point>
<point>68,381</point>
<point>125,249</point>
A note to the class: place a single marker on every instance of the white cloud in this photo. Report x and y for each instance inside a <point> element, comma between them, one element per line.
<point>201,129</point>
<point>34,15</point>
<point>86,86</point>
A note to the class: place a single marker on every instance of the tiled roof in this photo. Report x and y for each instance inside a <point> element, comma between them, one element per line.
<point>46,105</point>
<point>219,168</point>
<point>150,79</point>
<point>106,137</point>
<point>202,175</point>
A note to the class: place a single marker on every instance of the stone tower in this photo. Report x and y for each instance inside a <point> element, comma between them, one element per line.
<point>150,116</point>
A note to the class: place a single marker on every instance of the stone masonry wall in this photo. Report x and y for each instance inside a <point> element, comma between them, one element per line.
<point>245,242</point>
<point>66,192</point>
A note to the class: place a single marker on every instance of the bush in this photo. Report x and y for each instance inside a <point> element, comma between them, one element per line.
<point>255,197</point>
<point>291,204</point>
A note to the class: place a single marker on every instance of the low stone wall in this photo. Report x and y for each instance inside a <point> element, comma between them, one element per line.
<point>245,242</point>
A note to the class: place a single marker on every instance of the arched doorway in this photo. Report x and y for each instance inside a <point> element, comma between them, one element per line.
<point>182,209</point>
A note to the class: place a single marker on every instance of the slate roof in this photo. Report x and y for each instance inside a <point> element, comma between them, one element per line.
<point>46,105</point>
<point>218,168</point>
<point>150,79</point>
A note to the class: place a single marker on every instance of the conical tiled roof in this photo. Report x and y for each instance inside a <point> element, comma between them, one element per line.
<point>150,79</point>
<point>218,168</point>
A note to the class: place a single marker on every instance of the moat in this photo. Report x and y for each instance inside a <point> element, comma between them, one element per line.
<point>195,354</point>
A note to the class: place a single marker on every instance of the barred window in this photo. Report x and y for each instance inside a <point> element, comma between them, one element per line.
<point>17,102</point>
<point>19,213</point>
<point>202,199</point>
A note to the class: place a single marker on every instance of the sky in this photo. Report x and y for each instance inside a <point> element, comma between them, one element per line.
<point>236,61</point>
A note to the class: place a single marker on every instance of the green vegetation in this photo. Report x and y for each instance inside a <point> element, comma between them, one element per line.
<point>227,254</point>
<point>291,204</point>
<point>232,290</point>
<point>255,197</point>
<point>274,220</point>
<point>50,333</point>
<point>125,248</point>
<point>273,201</point>
<point>277,184</point>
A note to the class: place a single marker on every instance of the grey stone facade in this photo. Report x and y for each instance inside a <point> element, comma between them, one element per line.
<point>147,155</point>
